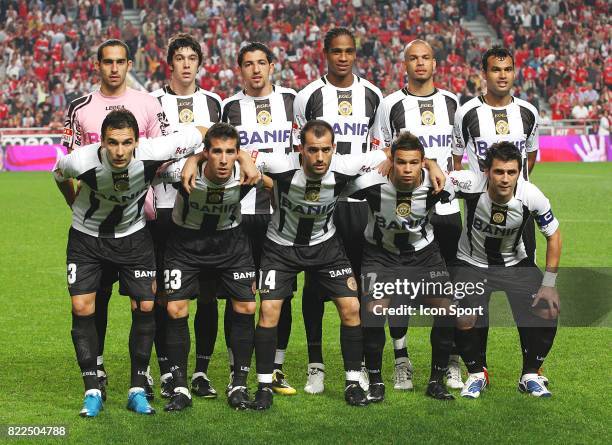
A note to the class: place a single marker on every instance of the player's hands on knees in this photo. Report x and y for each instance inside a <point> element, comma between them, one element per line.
<point>550,296</point>
<point>189,173</point>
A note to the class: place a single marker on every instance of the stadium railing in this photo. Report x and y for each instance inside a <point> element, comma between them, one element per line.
<point>567,127</point>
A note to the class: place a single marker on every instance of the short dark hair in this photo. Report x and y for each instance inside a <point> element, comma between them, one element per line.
<point>408,142</point>
<point>183,40</point>
<point>318,127</point>
<point>119,119</point>
<point>221,130</point>
<point>255,46</point>
<point>497,52</point>
<point>336,32</point>
<point>114,42</point>
<point>503,151</point>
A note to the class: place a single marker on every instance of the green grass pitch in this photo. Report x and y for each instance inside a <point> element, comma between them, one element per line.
<point>40,382</point>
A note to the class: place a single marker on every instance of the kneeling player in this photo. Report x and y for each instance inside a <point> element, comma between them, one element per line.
<point>399,250</point>
<point>206,243</point>
<point>492,252</point>
<point>108,228</point>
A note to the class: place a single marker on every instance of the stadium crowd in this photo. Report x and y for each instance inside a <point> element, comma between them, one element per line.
<point>47,48</point>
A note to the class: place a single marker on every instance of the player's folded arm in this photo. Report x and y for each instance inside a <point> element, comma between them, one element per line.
<point>173,146</point>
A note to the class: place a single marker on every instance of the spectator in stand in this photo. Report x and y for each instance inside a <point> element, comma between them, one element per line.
<point>565,47</point>
<point>580,111</point>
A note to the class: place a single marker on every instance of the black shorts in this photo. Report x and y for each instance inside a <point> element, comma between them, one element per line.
<point>160,230</point>
<point>326,263</point>
<point>401,282</point>
<point>351,219</point>
<point>447,231</point>
<point>131,257</point>
<point>423,267</point>
<point>256,227</point>
<point>520,282</point>
<point>223,257</point>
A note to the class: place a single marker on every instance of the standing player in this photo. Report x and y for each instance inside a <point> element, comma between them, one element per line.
<point>428,113</point>
<point>492,251</point>
<point>206,239</point>
<point>494,117</point>
<point>184,104</point>
<point>108,227</point>
<point>301,237</point>
<point>400,247</point>
<point>263,115</point>
<point>349,104</point>
<point>82,127</point>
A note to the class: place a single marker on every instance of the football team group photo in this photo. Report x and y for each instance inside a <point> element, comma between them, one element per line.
<point>346,215</point>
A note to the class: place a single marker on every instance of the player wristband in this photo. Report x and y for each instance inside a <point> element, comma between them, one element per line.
<point>549,279</point>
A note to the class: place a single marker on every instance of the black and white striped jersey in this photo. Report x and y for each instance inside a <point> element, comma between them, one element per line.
<point>303,206</point>
<point>352,112</point>
<point>201,108</point>
<point>210,207</point>
<point>491,234</point>
<point>431,119</point>
<point>398,221</point>
<point>110,203</point>
<point>478,126</point>
<point>264,125</point>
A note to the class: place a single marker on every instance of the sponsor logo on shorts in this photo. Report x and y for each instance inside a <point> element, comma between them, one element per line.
<point>244,275</point>
<point>340,272</point>
<point>438,273</point>
<point>144,274</point>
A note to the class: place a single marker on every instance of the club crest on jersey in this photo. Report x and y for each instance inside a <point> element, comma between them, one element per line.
<point>500,117</point>
<point>185,110</point>
<point>264,112</point>
<point>313,191</point>
<point>345,108</point>
<point>214,196</point>
<point>403,209</point>
<point>264,117</point>
<point>121,181</point>
<point>502,127</point>
<point>186,116</point>
<point>345,103</point>
<point>426,108</point>
<point>402,204</point>
<point>499,215</point>
<point>428,118</point>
